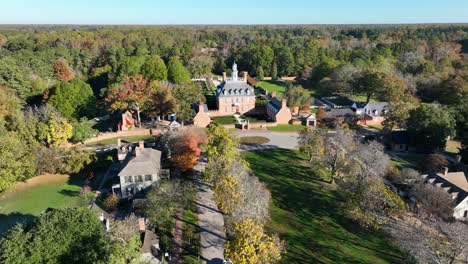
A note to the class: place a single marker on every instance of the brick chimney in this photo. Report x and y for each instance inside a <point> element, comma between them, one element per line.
<point>201,107</point>
<point>137,151</point>
<point>246,74</point>
<point>283,103</point>
<point>141,144</point>
<point>224,76</point>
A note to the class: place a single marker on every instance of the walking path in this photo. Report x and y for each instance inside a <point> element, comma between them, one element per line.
<point>178,257</point>
<point>211,222</point>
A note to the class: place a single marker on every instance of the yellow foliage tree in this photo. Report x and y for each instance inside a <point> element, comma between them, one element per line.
<point>226,193</point>
<point>59,131</point>
<point>251,245</point>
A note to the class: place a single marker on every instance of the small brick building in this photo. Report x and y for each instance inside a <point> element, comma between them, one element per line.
<point>278,111</point>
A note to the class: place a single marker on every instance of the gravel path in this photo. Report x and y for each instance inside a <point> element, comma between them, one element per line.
<point>211,221</point>
<point>277,140</point>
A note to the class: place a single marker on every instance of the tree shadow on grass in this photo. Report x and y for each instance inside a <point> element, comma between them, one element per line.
<point>70,193</point>
<point>7,221</point>
<point>310,214</point>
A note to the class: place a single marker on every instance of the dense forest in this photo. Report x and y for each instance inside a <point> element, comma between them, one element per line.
<point>53,79</point>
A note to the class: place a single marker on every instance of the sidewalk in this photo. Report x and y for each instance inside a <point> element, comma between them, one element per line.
<point>211,222</point>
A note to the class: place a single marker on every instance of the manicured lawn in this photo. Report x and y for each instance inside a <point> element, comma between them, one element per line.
<point>113,141</point>
<point>254,140</point>
<point>452,146</point>
<point>361,98</point>
<point>408,160</point>
<point>307,214</point>
<point>287,128</point>
<point>28,200</point>
<point>273,86</point>
<point>225,120</point>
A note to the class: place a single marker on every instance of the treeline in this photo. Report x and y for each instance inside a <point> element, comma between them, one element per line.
<point>59,76</point>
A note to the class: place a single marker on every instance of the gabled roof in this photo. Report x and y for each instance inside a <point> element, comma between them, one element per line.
<point>235,88</point>
<point>148,162</point>
<point>339,112</point>
<point>455,183</point>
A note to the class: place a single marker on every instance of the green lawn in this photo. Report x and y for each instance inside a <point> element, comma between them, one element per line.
<point>273,86</point>
<point>408,160</point>
<point>361,98</point>
<point>27,200</point>
<point>253,140</point>
<point>307,215</point>
<point>113,141</point>
<point>453,146</point>
<point>287,128</point>
<point>225,120</point>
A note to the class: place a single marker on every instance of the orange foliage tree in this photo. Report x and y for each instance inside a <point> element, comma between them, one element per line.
<point>186,149</point>
<point>62,71</point>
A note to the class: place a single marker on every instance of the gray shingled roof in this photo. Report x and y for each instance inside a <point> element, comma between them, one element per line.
<point>148,162</point>
<point>339,112</point>
<point>234,88</point>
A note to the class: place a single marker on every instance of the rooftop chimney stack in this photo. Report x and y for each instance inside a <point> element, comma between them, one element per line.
<point>137,151</point>
<point>283,103</point>
<point>245,76</point>
<point>201,107</point>
<point>224,76</point>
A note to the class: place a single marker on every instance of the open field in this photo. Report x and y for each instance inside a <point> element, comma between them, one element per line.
<point>307,214</point>
<point>225,120</point>
<point>28,200</point>
<point>287,128</point>
<point>273,86</point>
<point>113,141</point>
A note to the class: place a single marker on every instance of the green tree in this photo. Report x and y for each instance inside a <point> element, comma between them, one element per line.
<point>16,160</point>
<point>186,95</point>
<point>57,236</point>
<point>154,69</point>
<point>73,99</point>
<point>455,90</point>
<point>286,62</point>
<point>297,96</point>
<point>274,71</point>
<point>176,72</point>
<point>260,73</point>
<point>429,126</point>
<point>83,130</point>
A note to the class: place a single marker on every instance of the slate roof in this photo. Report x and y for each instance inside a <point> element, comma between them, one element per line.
<point>234,88</point>
<point>340,112</point>
<point>147,163</point>
<point>376,106</point>
<point>455,182</point>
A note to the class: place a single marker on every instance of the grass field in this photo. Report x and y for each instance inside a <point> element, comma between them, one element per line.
<point>453,146</point>
<point>253,140</point>
<point>273,86</point>
<point>225,120</point>
<point>287,128</point>
<point>408,160</point>
<point>28,200</point>
<point>113,141</point>
<point>307,215</point>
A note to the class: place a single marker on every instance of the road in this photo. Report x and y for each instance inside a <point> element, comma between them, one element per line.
<point>211,222</point>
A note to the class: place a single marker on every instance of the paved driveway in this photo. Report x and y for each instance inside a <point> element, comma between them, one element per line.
<point>277,140</point>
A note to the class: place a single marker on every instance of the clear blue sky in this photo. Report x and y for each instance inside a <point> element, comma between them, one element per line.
<point>232,12</point>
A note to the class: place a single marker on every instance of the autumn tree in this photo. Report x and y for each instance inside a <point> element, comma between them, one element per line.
<point>185,149</point>
<point>251,244</point>
<point>162,99</point>
<point>132,93</point>
<point>62,71</point>
<point>311,142</point>
<point>176,72</point>
<point>321,114</point>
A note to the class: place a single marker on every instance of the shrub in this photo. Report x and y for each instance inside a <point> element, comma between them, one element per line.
<point>433,200</point>
<point>111,203</point>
